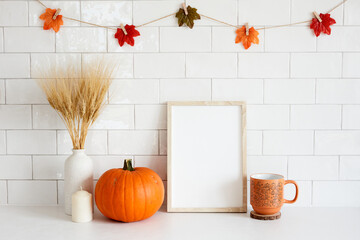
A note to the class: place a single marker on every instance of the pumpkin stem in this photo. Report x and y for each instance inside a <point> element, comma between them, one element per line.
<point>128,165</point>
<point>125,166</point>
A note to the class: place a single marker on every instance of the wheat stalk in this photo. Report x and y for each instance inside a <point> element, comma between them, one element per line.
<point>77,96</point>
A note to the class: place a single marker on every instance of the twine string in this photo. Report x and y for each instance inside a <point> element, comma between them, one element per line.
<point>229,24</point>
<point>155,20</point>
<point>42,4</point>
<point>202,15</point>
<point>89,23</point>
<point>284,25</point>
<point>338,5</point>
<point>275,26</point>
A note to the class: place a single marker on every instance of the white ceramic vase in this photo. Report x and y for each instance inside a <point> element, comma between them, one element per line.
<point>78,173</point>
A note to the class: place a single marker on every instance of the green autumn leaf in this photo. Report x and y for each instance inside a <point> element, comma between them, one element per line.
<point>188,20</point>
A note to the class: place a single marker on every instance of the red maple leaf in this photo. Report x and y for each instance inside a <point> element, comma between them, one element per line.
<point>324,25</point>
<point>129,37</point>
<point>49,22</point>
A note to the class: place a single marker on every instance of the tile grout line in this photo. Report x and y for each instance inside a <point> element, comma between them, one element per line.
<point>237,13</point>
<point>263,89</point>
<point>342,117</point>
<point>339,166</point>
<point>211,89</point>
<point>28,12</point>
<point>315,91</point>
<point>107,142</point>
<point>134,116</point>
<point>290,10</point>
<point>159,141</point>
<point>289,64</point>
<point>32,167</point>
<point>312,193</point>
<point>185,56</point>
<point>287,167</point>
<point>57,192</point>
<point>6,141</point>
<point>314,145</point>
<point>132,12</point>
<point>211,39</point>
<point>56,142</point>
<point>343,12</point>
<point>32,116</point>
<point>290,110</point>
<point>262,143</point>
<point>4,91</point>
<point>342,65</point>
<point>3,39</point>
<point>7,191</point>
<point>159,36</point>
<point>155,129</point>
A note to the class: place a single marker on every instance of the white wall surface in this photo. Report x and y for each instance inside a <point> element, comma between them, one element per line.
<point>303,92</point>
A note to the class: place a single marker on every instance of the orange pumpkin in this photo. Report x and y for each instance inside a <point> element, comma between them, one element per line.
<point>129,194</point>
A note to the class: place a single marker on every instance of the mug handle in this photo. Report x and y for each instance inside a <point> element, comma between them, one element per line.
<point>296,193</point>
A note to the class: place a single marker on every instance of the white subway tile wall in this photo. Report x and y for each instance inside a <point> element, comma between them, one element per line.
<point>175,39</point>
<point>340,40</point>
<point>290,39</point>
<point>14,65</point>
<point>3,192</point>
<point>1,39</point>
<point>185,90</point>
<point>163,142</point>
<point>267,164</point>
<point>263,65</point>
<point>336,193</point>
<point>96,142</point>
<point>351,69</point>
<point>116,12</point>
<point>313,167</point>
<point>349,168</point>
<point>32,192</point>
<point>15,167</point>
<point>31,40</point>
<point>249,11</point>
<point>249,90</point>
<point>48,167</point>
<point>302,92</point>
<point>14,13</point>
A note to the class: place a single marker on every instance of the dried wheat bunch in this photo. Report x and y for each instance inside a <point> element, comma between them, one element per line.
<point>78,96</point>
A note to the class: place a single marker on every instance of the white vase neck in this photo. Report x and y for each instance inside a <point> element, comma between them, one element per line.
<point>78,151</point>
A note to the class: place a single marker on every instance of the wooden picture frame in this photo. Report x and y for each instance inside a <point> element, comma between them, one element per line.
<point>197,179</point>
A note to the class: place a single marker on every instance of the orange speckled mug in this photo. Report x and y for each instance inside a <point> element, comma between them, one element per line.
<point>267,192</point>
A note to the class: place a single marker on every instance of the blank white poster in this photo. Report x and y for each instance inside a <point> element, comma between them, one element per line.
<point>206,157</point>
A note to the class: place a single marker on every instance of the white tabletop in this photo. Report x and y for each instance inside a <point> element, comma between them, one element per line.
<point>51,223</point>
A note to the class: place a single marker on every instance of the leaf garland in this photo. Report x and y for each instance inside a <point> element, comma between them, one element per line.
<point>49,22</point>
<point>186,16</point>
<point>246,40</point>
<point>127,38</point>
<point>323,26</point>
<point>188,19</point>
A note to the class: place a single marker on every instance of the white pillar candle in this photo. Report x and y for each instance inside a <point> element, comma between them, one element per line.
<point>82,208</point>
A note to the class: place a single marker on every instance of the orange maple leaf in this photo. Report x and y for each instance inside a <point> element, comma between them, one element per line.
<point>246,40</point>
<point>49,22</point>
